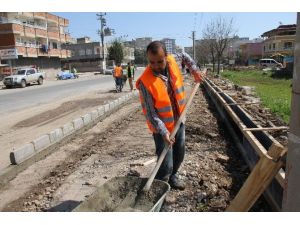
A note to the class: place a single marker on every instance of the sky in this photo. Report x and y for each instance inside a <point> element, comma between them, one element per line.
<point>131,25</point>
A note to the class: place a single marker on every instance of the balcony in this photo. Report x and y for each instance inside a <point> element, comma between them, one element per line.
<point>27,51</point>
<point>11,28</point>
<point>52,18</point>
<point>68,38</point>
<point>41,33</point>
<point>39,15</point>
<point>54,53</point>
<point>62,38</point>
<point>66,23</point>
<point>53,35</point>
<point>29,31</point>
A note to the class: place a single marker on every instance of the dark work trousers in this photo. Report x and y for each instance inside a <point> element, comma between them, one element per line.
<point>174,157</point>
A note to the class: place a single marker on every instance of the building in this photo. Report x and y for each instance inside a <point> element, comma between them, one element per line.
<point>142,43</point>
<point>188,50</point>
<point>251,53</point>
<point>128,54</point>
<point>179,49</point>
<point>170,45</point>
<point>36,38</point>
<point>86,55</point>
<point>279,43</point>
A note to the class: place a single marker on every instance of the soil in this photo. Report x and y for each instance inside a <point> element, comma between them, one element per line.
<point>213,169</point>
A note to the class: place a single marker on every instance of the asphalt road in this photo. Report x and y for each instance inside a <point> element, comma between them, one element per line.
<point>12,100</point>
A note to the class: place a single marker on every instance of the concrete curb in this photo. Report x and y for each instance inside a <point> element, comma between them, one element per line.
<point>43,142</point>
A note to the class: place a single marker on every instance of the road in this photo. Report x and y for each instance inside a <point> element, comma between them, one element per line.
<point>16,99</point>
<point>27,113</point>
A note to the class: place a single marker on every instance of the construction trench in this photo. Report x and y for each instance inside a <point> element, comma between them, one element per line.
<point>220,153</point>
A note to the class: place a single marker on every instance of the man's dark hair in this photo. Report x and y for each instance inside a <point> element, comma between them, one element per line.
<point>154,46</point>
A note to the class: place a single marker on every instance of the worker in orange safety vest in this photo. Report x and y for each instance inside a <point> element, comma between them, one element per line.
<point>118,72</point>
<point>162,96</point>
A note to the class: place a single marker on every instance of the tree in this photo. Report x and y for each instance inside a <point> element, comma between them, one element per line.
<point>209,43</point>
<point>140,56</point>
<point>219,32</point>
<point>203,53</point>
<point>115,51</point>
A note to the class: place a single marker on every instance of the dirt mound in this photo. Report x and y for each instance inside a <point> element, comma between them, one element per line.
<point>63,110</point>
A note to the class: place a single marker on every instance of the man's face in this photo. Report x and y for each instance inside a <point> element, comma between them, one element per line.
<point>157,61</point>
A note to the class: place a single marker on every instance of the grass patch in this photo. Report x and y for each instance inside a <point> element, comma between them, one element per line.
<point>274,93</point>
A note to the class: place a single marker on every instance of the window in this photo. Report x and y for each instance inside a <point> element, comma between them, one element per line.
<point>54,45</point>
<point>269,46</point>
<point>288,45</point>
<point>274,46</point>
<point>81,52</point>
<point>89,52</point>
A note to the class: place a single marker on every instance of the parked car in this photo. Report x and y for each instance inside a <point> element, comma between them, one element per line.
<point>270,63</point>
<point>24,76</point>
<point>65,75</point>
<point>108,70</point>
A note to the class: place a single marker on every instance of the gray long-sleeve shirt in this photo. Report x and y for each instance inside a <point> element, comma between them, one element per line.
<point>151,113</point>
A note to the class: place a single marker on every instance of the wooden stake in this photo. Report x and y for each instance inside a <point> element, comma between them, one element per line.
<point>265,128</point>
<point>259,179</point>
<point>245,103</point>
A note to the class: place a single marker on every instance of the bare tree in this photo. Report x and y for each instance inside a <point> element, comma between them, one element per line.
<point>209,42</point>
<point>219,32</point>
<point>203,52</point>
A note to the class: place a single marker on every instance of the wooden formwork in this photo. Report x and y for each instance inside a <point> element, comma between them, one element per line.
<point>252,140</point>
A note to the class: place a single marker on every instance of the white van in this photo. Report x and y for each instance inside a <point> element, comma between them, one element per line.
<point>269,63</point>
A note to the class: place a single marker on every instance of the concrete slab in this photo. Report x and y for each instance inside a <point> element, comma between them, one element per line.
<point>116,103</point>
<point>68,128</point>
<point>94,114</point>
<point>101,110</point>
<point>87,118</point>
<point>56,135</point>
<point>41,143</point>
<point>106,108</point>
<point>111,105</point>
<point>21,154</point>
<point>78,123</point>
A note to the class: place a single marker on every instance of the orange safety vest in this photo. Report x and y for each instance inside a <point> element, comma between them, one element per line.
<point>118,71</point>
<point>158,90</point>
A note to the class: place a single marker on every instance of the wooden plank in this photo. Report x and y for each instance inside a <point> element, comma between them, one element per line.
<point>245,103</point>
<point>259,179</point>
<point>258,147</point>
<point>265,128</point>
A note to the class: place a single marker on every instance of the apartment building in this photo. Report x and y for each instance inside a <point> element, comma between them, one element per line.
<point>35,38</point>
<point>250,53</point>
<point>142,43</point>
<point>279,43</point>
<point>86,55</point>
<point>170,45</point>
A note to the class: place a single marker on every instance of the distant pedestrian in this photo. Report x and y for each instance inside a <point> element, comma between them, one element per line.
<point>118,73</point>
<point>74,71</point>
<point>130,75</point>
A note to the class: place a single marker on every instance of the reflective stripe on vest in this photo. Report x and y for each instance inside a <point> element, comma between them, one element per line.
<point>161,100</point>
<point>179,90</point>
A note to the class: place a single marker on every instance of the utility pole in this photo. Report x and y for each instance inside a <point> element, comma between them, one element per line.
<point>101,33</point>
<point>291,197</point>
<point>194,52</point>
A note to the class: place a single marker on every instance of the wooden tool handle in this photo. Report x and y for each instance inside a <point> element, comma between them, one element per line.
<point>167,147</point>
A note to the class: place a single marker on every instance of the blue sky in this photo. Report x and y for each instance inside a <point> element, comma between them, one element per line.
<point>172,25</point>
